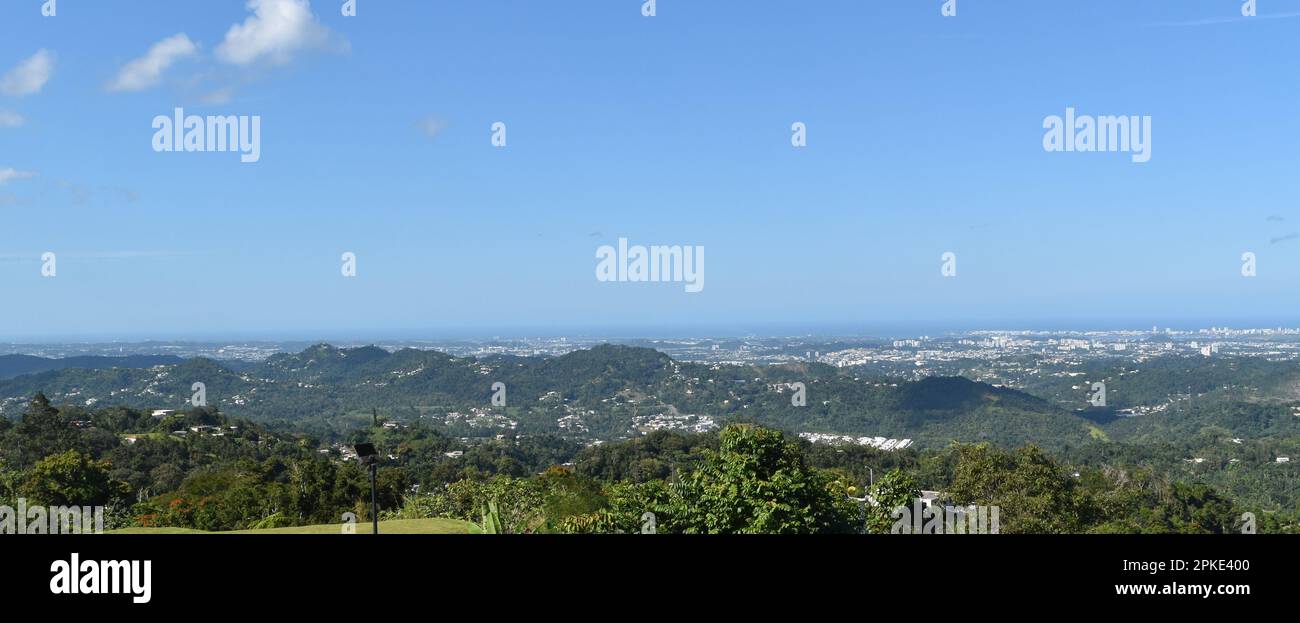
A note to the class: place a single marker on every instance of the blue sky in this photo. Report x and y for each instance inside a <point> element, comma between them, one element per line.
<point>924,136</point>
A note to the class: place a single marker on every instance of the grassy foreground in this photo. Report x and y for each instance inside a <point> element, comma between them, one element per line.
<point>396,526</point>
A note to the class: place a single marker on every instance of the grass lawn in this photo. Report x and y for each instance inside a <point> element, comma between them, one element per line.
<point>396,526</point>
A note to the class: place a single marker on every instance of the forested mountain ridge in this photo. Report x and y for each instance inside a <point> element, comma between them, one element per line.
<point>17,365</point>
<point>611,392</point>
<point>606,392</point>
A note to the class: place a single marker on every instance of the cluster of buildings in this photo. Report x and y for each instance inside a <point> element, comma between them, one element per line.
<point>479,417</point>
<point>879,443</point>
<point>213,431</point>
<point>667,421</point>
<point>572,422</point>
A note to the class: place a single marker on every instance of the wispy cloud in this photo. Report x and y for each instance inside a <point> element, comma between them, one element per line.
<point>431,126</point>
<point>10,119</point>
<point>9,174</point>
<point>217,97</point>
<point>146,71</point>
<point>98,256</point>
<point>30,75</point>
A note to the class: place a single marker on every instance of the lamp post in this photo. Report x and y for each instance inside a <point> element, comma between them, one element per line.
<point>368,455</point>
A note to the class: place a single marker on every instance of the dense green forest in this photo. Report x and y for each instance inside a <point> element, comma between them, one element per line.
<point>271,449</point>
<point>236,475</point>
<point>602,391</point>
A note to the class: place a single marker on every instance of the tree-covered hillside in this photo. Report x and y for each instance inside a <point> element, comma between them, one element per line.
<point>607,392</point>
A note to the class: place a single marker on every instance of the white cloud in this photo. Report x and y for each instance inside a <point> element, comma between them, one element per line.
<point>10,119</point>
<point>10,174</point>
<point>274,32</point>
<point>147,70</point>
<point>29,76</point>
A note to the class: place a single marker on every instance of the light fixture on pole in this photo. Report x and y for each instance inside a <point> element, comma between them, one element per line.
<point>368,455</point>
